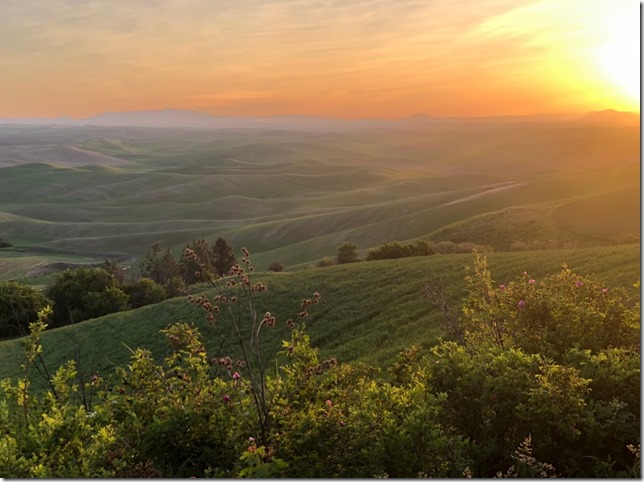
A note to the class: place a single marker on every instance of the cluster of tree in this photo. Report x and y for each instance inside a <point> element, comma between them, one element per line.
<point>542,379</point>
<point>348,251</point>
<point>163,268</point>
<point>81,294</point>
<point>396,250</point>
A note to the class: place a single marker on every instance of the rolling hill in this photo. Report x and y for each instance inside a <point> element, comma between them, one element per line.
<point>294,195</point>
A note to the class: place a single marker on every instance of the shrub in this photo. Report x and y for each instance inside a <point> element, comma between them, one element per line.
<point>19,306</point>
<point>143,292</point>
<point>347,253</point>
<point>396,250</point>
<point>325,262</point>
<point>276,266</point>
<point>85,293</point>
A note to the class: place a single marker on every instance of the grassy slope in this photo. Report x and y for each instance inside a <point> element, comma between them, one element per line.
<point>369,311</point>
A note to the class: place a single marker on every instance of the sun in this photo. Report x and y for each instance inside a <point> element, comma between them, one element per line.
<point>618,56</point>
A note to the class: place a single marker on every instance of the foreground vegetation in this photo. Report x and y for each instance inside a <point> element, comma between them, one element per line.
<point>539,377</point>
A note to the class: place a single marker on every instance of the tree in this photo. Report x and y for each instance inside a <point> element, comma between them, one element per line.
<point>19,306</point>
<point>4,243</point>
<point>143,292</point>
<point>85,293</point>
<point>224,257</point>
<point>115,269</point>
<point>348,253</point>
<point>159,266</point>
<point>189,266</point>
<point>276,266</point>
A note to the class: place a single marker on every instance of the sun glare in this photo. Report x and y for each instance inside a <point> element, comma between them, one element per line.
<point>619,55</point>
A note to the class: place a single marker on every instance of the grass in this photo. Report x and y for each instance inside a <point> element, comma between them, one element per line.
<point>370,311</point>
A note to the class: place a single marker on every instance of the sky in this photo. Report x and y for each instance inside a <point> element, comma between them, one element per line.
<point>338,58</point>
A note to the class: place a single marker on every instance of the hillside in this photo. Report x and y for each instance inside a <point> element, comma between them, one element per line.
<point>93,192</point>
<point>369,311</point>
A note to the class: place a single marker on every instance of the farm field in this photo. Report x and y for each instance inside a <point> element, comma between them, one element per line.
<point>293,196</point>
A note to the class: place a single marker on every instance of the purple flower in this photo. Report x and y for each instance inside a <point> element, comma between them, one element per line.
<point>521,305</point>
<point>236,376</point>
<point>532,281</point>
<point>226,398</point>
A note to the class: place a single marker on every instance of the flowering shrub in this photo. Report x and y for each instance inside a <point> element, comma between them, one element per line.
<point>549,316</point>
<point>504,401</point>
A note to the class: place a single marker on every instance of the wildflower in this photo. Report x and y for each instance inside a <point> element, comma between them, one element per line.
<point>521,305</point>
<point>579,284</point>
<point>604,290</point>
<point>532,281</point>
<point>501,286</point>
<point>95,378</point>
<point>236,376</point>
<point>329,403</point>
<point>227,398</point>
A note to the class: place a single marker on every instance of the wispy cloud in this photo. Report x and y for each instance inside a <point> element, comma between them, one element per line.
<point>80,56</point>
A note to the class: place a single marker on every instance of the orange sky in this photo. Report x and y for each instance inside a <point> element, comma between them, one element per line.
<point>343,58</point>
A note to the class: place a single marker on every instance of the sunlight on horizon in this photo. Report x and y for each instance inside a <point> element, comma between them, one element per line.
<point>619,55</point>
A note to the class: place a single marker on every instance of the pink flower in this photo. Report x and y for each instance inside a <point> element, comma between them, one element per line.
<point>501,287</point>
<point>329,403</point>
<point>521,305</point>
<point>226,398</point>
<point>578,284</point>
<point>604,290</point>
<point>236,376</point>
<point>532,281</point>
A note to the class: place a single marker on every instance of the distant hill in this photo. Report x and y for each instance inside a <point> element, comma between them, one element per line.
<point>607,117</point>
<point>189,118</point>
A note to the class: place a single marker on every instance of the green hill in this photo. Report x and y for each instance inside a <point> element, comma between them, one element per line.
<point>369,311</point>
<point>294,196</point>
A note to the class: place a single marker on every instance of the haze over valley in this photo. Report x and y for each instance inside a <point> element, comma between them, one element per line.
<point>295,194</point>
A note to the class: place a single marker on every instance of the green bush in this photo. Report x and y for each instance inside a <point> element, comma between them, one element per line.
<point>85,293</point>
<point>19,306</point>
<point>347,253</point>
<point>143,292</point>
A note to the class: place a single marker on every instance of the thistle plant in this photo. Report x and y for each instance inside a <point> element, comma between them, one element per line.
<point>251,336</point>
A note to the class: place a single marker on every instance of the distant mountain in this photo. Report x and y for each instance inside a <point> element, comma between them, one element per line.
<point>154,118</point>
<point>188,118</point>
<point>611,116</point>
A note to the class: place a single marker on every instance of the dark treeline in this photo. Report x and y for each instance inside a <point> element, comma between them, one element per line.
<point>81,294</point>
